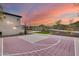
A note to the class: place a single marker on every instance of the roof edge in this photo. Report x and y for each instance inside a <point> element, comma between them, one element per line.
<point>12,14</point>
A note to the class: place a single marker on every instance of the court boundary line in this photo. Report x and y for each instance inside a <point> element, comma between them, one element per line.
<point>2,48</point>
<point>36,41</point>
<point>75,47</point>
<point>36,50</point>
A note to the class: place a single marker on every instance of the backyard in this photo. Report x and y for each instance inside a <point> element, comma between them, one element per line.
<point>39,29</point>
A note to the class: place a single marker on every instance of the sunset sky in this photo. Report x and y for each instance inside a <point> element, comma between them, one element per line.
<point>44,13</point>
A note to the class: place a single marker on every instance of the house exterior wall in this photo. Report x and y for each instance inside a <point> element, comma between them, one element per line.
<point>6,26</point>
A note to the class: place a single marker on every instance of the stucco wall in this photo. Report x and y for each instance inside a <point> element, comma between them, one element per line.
<point>7,29</point>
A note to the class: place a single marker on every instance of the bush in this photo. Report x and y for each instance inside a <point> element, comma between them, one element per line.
<point>0,33</point>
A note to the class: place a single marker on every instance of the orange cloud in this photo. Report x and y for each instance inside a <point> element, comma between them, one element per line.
<point>47,17</point>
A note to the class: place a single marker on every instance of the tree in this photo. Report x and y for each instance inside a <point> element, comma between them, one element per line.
<point>43,27</point>
<point>75,25</point>
<point>58,22</point>
<point>57,25</point>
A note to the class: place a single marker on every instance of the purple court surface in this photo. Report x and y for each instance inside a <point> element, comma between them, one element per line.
<point>15,46</point>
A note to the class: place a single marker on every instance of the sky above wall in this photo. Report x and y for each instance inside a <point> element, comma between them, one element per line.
<point>44,13</point>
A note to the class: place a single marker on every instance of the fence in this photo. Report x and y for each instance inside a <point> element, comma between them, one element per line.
<point>64,32</point>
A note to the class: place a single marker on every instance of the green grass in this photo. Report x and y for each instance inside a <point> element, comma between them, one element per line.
<point>44,32</point>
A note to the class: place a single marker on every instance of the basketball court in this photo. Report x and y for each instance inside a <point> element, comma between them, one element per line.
<point>39,45</point>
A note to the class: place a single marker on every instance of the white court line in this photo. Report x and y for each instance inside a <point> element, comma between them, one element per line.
<point>33,38</point>
<point>75,47</point>
<point>37,43</point>
<point>37,50</point>
<point>1,46</point>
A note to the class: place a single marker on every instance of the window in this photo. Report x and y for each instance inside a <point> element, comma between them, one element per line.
<point>4,17</point>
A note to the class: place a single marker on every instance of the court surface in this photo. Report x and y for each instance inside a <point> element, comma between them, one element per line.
<point>39,45</point>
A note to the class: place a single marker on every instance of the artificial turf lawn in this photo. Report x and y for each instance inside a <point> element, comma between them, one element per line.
<point>45,32</point>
